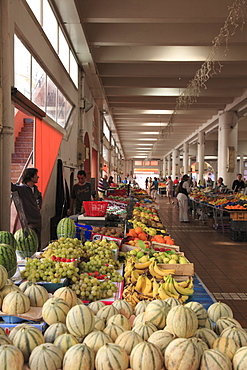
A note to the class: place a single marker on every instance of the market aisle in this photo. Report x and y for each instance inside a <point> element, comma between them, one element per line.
<point>219,262</point>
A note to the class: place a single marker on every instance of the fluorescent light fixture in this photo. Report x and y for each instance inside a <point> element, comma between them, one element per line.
<point>139,156</point>
<point>157,111</point>
<point>211,157</point>
<point>156,124</point>
<point>145,144</point>
<point>149,139</point>
<point>149,133</point>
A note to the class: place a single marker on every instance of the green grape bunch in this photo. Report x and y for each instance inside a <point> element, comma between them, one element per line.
<point>49,271</point>
<point>65,248</point>
<point>89,288</point>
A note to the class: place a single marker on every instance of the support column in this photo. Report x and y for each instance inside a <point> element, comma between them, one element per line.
<point>164,167</point>
<point>175,163</point>
<point>200,155</point>
<point>241,164</point>
<point>169,163</point>
<point>6,113</point>
<point>185,157</point>
<point>227,147</point>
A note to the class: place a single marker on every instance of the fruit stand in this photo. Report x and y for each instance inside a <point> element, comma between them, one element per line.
<point>99,303</point>
<point>226,212</point>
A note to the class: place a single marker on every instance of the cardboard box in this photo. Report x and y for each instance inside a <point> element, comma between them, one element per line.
<point>98,236</point>
<point>186,269</point>
<point>238,215</point>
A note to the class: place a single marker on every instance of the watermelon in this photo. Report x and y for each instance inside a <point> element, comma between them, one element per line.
<point>66,228</point>
<point>7,238</point>
<point>26,246</point>
<point>8,259</point>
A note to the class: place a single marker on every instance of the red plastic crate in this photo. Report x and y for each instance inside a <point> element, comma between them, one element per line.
<point>95,208</point>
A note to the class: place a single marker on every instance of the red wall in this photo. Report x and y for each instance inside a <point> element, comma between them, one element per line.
<point>19,122</point>
<point>47,144</point>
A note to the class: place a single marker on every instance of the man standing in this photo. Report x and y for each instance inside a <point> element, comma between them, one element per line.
<point>31,199</point>
<point>238,184</point>
<point>102,187</point>
<point>80,192</point>
<point>154,189</point>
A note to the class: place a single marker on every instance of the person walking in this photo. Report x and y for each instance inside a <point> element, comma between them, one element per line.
<point>102,187</point>
<point>169,189</point>
<point>81,192</point>
<point>182,197</point>
<point>154,189</point>
<point>31,199</point>
<point>146,183</point>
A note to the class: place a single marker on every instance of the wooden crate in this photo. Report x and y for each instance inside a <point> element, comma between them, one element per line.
<point>167,246</point>
<point>183,269</point>
<point>238,215</point>
<point>128,247</point>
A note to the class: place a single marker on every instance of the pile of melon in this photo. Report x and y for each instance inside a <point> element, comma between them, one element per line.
<point>158,335</point>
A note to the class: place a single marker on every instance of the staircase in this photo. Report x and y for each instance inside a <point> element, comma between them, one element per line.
<point>23,148</point>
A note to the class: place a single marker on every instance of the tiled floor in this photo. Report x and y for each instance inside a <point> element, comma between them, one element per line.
<point>219,262</point>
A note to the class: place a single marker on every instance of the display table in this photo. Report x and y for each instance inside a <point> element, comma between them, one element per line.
<point>204,211</point>
<point>162,190</point>
<point>201,293</point>
<point>93,221</point>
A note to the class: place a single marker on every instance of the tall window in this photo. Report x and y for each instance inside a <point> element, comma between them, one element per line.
<point>38,85</point>
<point>22,68</point>
<point>48,21</point>
<point>106,131</point>
<point>50,25</point>
<point>33,82</point>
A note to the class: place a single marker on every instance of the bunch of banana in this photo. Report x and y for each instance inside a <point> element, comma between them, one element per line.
<point>171,288</point>
<point>159,273</point>
<point>129,275</point>
<point>143,265</point>
<point>155,288</point>
<point>144,285</point>
<point>130,295</point>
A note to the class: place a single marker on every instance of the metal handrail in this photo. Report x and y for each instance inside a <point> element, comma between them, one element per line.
<point>25,166</point>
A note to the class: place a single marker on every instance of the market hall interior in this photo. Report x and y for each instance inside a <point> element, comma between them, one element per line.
<point>219,262</point>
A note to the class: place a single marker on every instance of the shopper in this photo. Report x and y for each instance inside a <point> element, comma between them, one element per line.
<point>110,181</point>
<point>154,189</point>
<point>103,185</point>
<point>146,182</point>
<point>149,185</point>
<point>182,197</point>
<point>80,192</point>
<point>31,199</point>
<point>220,183</point>
<point>238,184</point>
<point>169,189</point>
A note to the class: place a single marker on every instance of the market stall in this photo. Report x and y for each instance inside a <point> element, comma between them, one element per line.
<point>227,212</point>
<point>82,293</point>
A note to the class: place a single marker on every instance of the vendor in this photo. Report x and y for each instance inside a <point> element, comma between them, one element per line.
<point>220,183</point>
<point>80,192</point>
<point>238,184</point>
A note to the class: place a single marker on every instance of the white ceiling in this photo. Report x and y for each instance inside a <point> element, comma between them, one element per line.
<point>139,56</point>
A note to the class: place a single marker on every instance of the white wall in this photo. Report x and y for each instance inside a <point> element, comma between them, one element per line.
<point>21,21</point>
